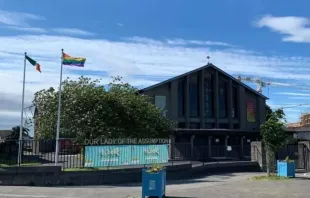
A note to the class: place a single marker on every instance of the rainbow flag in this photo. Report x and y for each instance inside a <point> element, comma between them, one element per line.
<point>72,61</point>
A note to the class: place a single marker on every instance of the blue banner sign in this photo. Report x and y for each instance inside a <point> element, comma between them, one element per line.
<point>122,155</point>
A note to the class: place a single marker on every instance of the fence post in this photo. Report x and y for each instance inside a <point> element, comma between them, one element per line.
<point>171,146</point>
<point>21,152</point>
<point>210,146</point>
<point>192,146</point>
<point>226,144</point>
<point>242,149</point>
<point>83,156</point>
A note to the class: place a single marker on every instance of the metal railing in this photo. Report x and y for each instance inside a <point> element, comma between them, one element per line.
<point>72,154</point>
<point>185,151</point>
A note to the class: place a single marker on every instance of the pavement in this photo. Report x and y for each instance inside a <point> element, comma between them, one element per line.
<point>235,185</point>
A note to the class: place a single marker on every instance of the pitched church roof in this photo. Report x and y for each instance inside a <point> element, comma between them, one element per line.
<point>209,65</point>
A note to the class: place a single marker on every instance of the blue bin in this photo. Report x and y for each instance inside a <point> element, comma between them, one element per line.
<point>154,184</point>
<point>286,169</point>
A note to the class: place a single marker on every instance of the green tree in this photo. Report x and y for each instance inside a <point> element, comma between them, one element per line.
<point>15,133</point>
<point>279,112</point>
<point>268,112</point>
<point>9,147</point>
<point>273,136</point>
<point>90,111</point>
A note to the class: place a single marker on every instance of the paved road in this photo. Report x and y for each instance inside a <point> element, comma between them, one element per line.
<point>221,186</point>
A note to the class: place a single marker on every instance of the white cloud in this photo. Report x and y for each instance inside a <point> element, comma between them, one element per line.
<point>293,110</point>
<point>293,94</point>
<point>140,62</point>
<point>300,98</point>
<point>27,29</point>
<point>176,41</point>
<point>195,42</point>
<point>19,21</point>
<point>120,24</point>
<point>288,105</point>
<point>73,31</point>
<point>294,29</point>
<point>17,18</point>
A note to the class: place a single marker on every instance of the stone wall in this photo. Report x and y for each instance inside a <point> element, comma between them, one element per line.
<point>53,176</point>
<point>258,154</point>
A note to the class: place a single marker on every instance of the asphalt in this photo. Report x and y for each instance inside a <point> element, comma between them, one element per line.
<point>235,185</point>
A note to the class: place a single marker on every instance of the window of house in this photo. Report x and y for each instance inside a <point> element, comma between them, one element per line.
<point>194,125</point>
<point>223,126</point>
<point>234,102</point>
<point>236,126</point>
<point>181,125</point>
<point>208,94</point>
<point>181,98</point>
<point>193,97</point>
<point>209,125</point>
<point>160,102</point>
<point>223,106</point>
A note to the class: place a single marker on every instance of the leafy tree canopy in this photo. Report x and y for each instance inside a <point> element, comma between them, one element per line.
<point>279,112</point>
<point>273,135</point>
<point>268,112</point>
<point>15,133</point>
<point>90,111</point>
<point>273,130</point>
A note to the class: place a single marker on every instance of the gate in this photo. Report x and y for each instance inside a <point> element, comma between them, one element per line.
<point>306,157</point>
<point>297,152</point>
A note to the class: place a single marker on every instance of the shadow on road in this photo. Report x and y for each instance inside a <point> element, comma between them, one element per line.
<point>138,184</point>
<point>193,180</point>
<point>302,178</point>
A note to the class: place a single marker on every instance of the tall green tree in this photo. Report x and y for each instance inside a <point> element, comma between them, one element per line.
<point>16,131</point>
<point>9,147</point>
<point>91,111</point>
<point>273,136</point>
<point>268,112</point>
<point>279,112</point>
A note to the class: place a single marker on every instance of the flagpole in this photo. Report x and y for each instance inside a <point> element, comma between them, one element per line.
<point>22,117</point>
<point>59,112</point>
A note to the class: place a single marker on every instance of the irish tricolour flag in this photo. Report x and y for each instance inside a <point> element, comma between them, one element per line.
<point>34,63</point>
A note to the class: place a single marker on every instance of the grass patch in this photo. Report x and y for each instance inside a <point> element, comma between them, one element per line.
<point>23,164</point>
<point>84,169</point>
<point>30,164</point>
<point>90,169</point>
<point>269,178</point>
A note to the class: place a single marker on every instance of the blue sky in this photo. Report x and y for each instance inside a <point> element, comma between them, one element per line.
<point>150,41</point>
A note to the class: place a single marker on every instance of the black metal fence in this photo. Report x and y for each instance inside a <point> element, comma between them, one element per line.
<point>71,153</point>
<point>298,152</point>
<point>205,153</point>
<point>41,152</point>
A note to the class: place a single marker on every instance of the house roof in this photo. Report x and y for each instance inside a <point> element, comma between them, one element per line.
<point>209,65</point>
<point>299,129</point>
<point>4,133</point>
